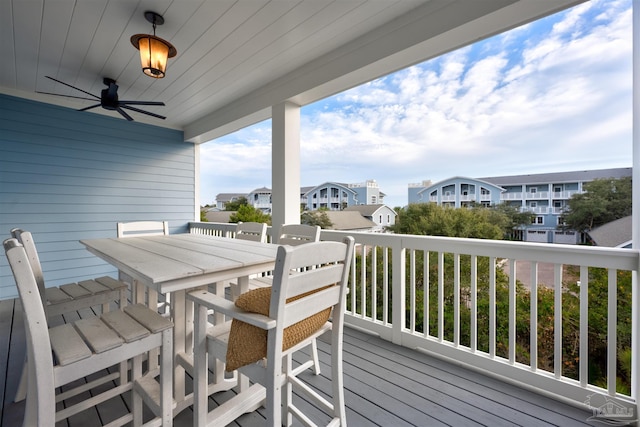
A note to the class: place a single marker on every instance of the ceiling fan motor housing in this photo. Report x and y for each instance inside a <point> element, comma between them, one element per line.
<point>109,96</point>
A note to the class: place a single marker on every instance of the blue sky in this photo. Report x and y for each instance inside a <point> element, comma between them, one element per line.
<point>553,95</point>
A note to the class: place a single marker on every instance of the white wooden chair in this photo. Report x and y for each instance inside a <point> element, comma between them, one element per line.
<point>308,279</point>
<point>101,291</point>
<point>63,354</point>
<point>254,231</point>
<point>139,294</point>
<point>295,235</point>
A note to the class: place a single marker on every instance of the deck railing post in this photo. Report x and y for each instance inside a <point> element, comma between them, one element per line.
<point>398,289</point>
<point>635,306</point>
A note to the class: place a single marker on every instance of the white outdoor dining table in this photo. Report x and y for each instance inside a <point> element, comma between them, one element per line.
<point>180,262</point>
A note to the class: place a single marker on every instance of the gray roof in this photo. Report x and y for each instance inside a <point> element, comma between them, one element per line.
<point>305,190</point>
<point>349,220</point>
<point>227,197</point>
<point>218,216</point>
<point>559,177</point>
<point>365,210</point>
<point>261,190</point>
<point>612,234</point>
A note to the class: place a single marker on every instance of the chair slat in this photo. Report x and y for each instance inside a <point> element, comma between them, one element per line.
<point>94,287</point>
<point>151,320</point>
<point>56,296</point>
<point>67,345</point>
<point>99,336</point>
<point>111,283</point>
<point>125,325</point>
<point>75,291</point>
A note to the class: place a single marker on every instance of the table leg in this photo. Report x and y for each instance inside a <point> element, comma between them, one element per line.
<point>179,337</point>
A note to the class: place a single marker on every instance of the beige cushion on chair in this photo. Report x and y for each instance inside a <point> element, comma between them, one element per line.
<point>248,343</point>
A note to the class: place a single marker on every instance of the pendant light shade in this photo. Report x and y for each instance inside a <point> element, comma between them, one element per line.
<point>154,51</point>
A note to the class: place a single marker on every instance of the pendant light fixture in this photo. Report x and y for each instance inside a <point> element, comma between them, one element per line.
<point>154,51</point>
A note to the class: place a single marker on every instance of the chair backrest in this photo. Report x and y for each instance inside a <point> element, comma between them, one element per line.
<point>39,354</point>
<point>254,231</point>
<point>298,234</point>
<point>314,276</point>
<point>26,240</point>
<point>142,228</point>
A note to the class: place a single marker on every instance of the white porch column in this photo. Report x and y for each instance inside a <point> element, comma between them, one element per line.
<point>635,228</point>
<point>285,165</point>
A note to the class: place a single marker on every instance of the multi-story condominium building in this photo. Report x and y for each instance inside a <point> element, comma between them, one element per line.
<point>336,196</point>
<point>546,195</point>
<point>330,195</point>
<point>366,199</point>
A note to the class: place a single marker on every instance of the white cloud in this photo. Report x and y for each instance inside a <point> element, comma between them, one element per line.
<point>552,95</point>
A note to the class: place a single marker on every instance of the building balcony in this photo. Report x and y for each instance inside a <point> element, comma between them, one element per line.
<point>536,209</point>
<point>564,194</point>
<point>537,195</point>
<point>511,196</point>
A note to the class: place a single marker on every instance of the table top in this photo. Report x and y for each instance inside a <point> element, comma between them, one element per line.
<point>183,261</point>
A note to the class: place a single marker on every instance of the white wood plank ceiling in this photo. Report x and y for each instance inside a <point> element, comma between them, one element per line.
<point>235,58</point>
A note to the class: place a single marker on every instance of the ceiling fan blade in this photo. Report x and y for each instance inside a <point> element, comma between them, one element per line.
<point>66,96</point>
<point>143,112</point>
<point>90,107</point>
<point>72,87</point>
<point>142,102</point>
<point>124,114</point>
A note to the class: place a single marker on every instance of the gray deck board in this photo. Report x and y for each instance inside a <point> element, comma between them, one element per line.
<point>385,385</point>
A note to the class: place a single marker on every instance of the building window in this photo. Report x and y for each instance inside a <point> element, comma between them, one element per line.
<point>539,220</point>
<point>533,190</point>
<point>557,189</point>
<point>534,204</point>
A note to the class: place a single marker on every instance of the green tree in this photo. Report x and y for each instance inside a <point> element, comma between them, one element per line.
<point>514,218</point>
<point>429,219</point>
<point>603,201</point>
<point>318,217</point>
<point>234,205</point>
<point>247,213</point>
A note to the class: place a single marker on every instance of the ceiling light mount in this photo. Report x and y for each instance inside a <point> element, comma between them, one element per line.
<point>154,51</point>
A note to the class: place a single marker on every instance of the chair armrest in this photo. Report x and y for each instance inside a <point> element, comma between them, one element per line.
<point>228,308</point>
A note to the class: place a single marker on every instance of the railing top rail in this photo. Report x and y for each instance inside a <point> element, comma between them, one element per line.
<point>618,258</point>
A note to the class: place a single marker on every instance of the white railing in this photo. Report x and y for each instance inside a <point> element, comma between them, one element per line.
<point>535,209</point>
<point>564,194</point>
<point>460,299</point>
<point>511,196</point>
<point>537,195</point>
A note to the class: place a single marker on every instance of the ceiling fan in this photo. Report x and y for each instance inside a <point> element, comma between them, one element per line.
<point>109,99</point>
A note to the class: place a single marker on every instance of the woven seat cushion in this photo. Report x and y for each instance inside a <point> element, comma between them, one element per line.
<point>248,343</point>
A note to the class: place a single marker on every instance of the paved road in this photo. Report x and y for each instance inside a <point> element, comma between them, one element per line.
<point>523,273</point>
